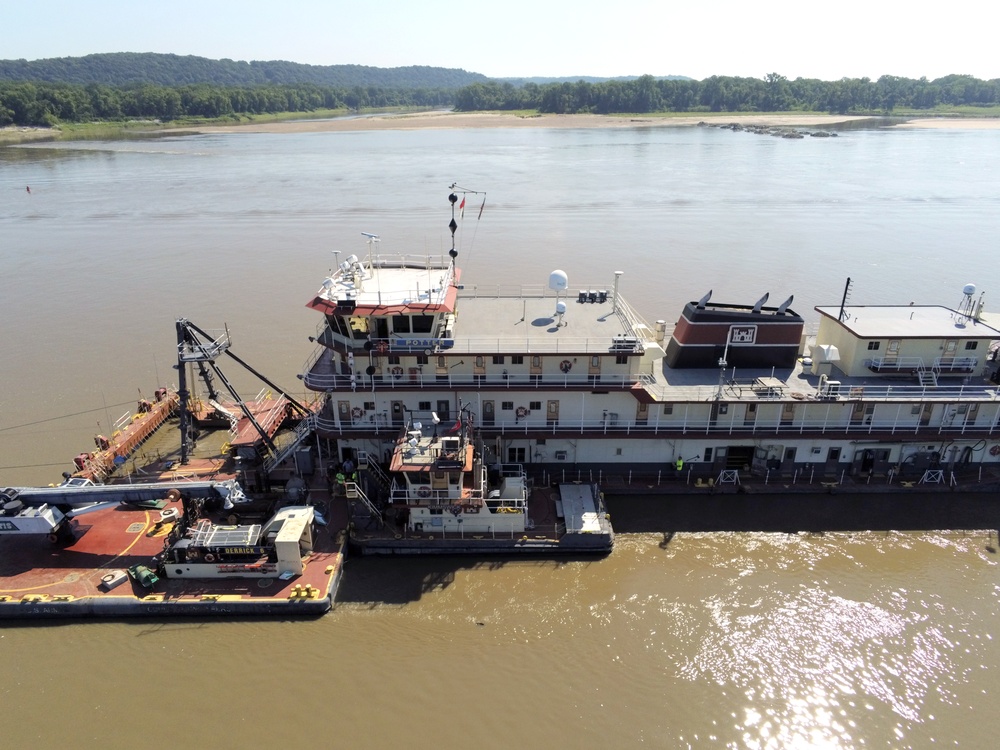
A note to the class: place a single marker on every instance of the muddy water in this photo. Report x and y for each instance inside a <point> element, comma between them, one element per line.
<point>708,640</point>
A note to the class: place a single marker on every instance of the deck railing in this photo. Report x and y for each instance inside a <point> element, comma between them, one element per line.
<point>614,424</point>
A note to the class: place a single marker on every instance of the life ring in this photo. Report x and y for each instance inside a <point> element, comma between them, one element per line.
<point>209,557</point>
<point>565,365</point>
<point>357,412</point>
<point>397,372</point>
<point>521,412</point>
<point>456,510</point>
<point>424,492</point>
<point>995,450</point>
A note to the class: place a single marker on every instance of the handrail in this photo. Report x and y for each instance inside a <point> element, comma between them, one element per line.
<point>761,427</point>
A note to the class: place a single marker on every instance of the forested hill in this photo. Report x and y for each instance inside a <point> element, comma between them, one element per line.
<point>126,68</point>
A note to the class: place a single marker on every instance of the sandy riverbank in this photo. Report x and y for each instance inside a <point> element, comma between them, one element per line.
<point>440,120</point>
<point>437,120</point>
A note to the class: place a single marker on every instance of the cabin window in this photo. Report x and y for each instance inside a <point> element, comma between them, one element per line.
<point>618,451</point>
<point>480,361</point>
<point>498,359</point>
<point>393,359</point>
<point>621,359</point>
<point>874,345</point>
<point>422,359</point>
<point>337,325</point>
<point>540,441</point>
<point>422,323</point>
<point>536,361</point>
<point>507,405</point>
<point>668,408</point>
<point>517,359</point>
<point>833,454</point>
<point>516,455</point>
<point>535,405</point>
<point>369,406</point>
<point>400,324</point>
<point>442,362</point>
<point>424,405</point>
<point>708,454</point>
<point>970,345</point>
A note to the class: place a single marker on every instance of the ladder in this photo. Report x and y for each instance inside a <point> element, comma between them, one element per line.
<point>927,377</point>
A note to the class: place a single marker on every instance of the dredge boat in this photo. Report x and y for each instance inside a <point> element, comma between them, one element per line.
<point>568,384</point>
<point>212,518</point>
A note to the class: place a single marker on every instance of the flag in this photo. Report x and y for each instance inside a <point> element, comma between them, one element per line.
<point>481,209</point>
<point>461,206</point>
<point>457,426</point>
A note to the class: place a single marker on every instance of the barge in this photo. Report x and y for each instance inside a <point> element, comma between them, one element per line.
<point>194,506</point>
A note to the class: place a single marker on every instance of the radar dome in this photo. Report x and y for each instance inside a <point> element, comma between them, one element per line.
<point>969,289</point>
<point>558,281</point>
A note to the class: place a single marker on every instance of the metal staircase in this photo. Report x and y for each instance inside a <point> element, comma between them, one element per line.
<point>302,430</point>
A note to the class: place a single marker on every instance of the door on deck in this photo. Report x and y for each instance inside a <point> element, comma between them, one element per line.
<point>443,410</point>
<point>787,413</point>
<point>641,413</point>
<point>398,414</point>
<point>536,368</point>
<point>594,368</point>
<point>552,413</point>
<point>489,413</point>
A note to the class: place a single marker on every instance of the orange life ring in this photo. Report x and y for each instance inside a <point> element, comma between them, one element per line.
<point>995,450</point>
<point>357,412</point>
<point>209,557</point>
<point>521,412</point>
<point>565,365</point>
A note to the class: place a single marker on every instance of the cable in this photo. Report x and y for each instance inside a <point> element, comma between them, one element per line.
<point>64,416</point>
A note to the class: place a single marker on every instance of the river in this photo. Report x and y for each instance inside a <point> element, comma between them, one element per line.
<point>706,640</point>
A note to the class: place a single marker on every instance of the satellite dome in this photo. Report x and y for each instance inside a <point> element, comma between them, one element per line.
<point>969,289</point>
<point>558,281</point>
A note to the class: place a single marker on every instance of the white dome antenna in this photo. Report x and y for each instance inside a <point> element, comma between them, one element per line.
<point>558,281</point>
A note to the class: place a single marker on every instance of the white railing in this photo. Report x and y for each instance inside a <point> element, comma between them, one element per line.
<point>613,424</point>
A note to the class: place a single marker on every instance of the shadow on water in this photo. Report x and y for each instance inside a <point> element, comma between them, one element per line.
<point>815,511</point>
<point>378,581</point>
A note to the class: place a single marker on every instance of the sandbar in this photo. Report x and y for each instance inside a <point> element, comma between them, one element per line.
<point>442,119</point>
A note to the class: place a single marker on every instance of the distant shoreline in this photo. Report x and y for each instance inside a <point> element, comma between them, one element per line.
<point>11,135</point>
<point>442,120</point>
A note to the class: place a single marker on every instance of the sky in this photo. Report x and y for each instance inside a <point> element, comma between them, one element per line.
<point>525,38</point>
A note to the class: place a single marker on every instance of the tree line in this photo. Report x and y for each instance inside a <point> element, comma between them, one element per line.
<point>773,93</point>
<point>128,68</point>
<point>46,104</point>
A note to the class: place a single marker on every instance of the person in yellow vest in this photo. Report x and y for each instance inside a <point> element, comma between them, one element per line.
<point>679,465</point>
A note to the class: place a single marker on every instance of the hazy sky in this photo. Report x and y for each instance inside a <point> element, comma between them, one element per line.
<point>505,38</point>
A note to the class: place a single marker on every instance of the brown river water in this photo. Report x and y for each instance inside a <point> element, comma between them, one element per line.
<point>836,640</point>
